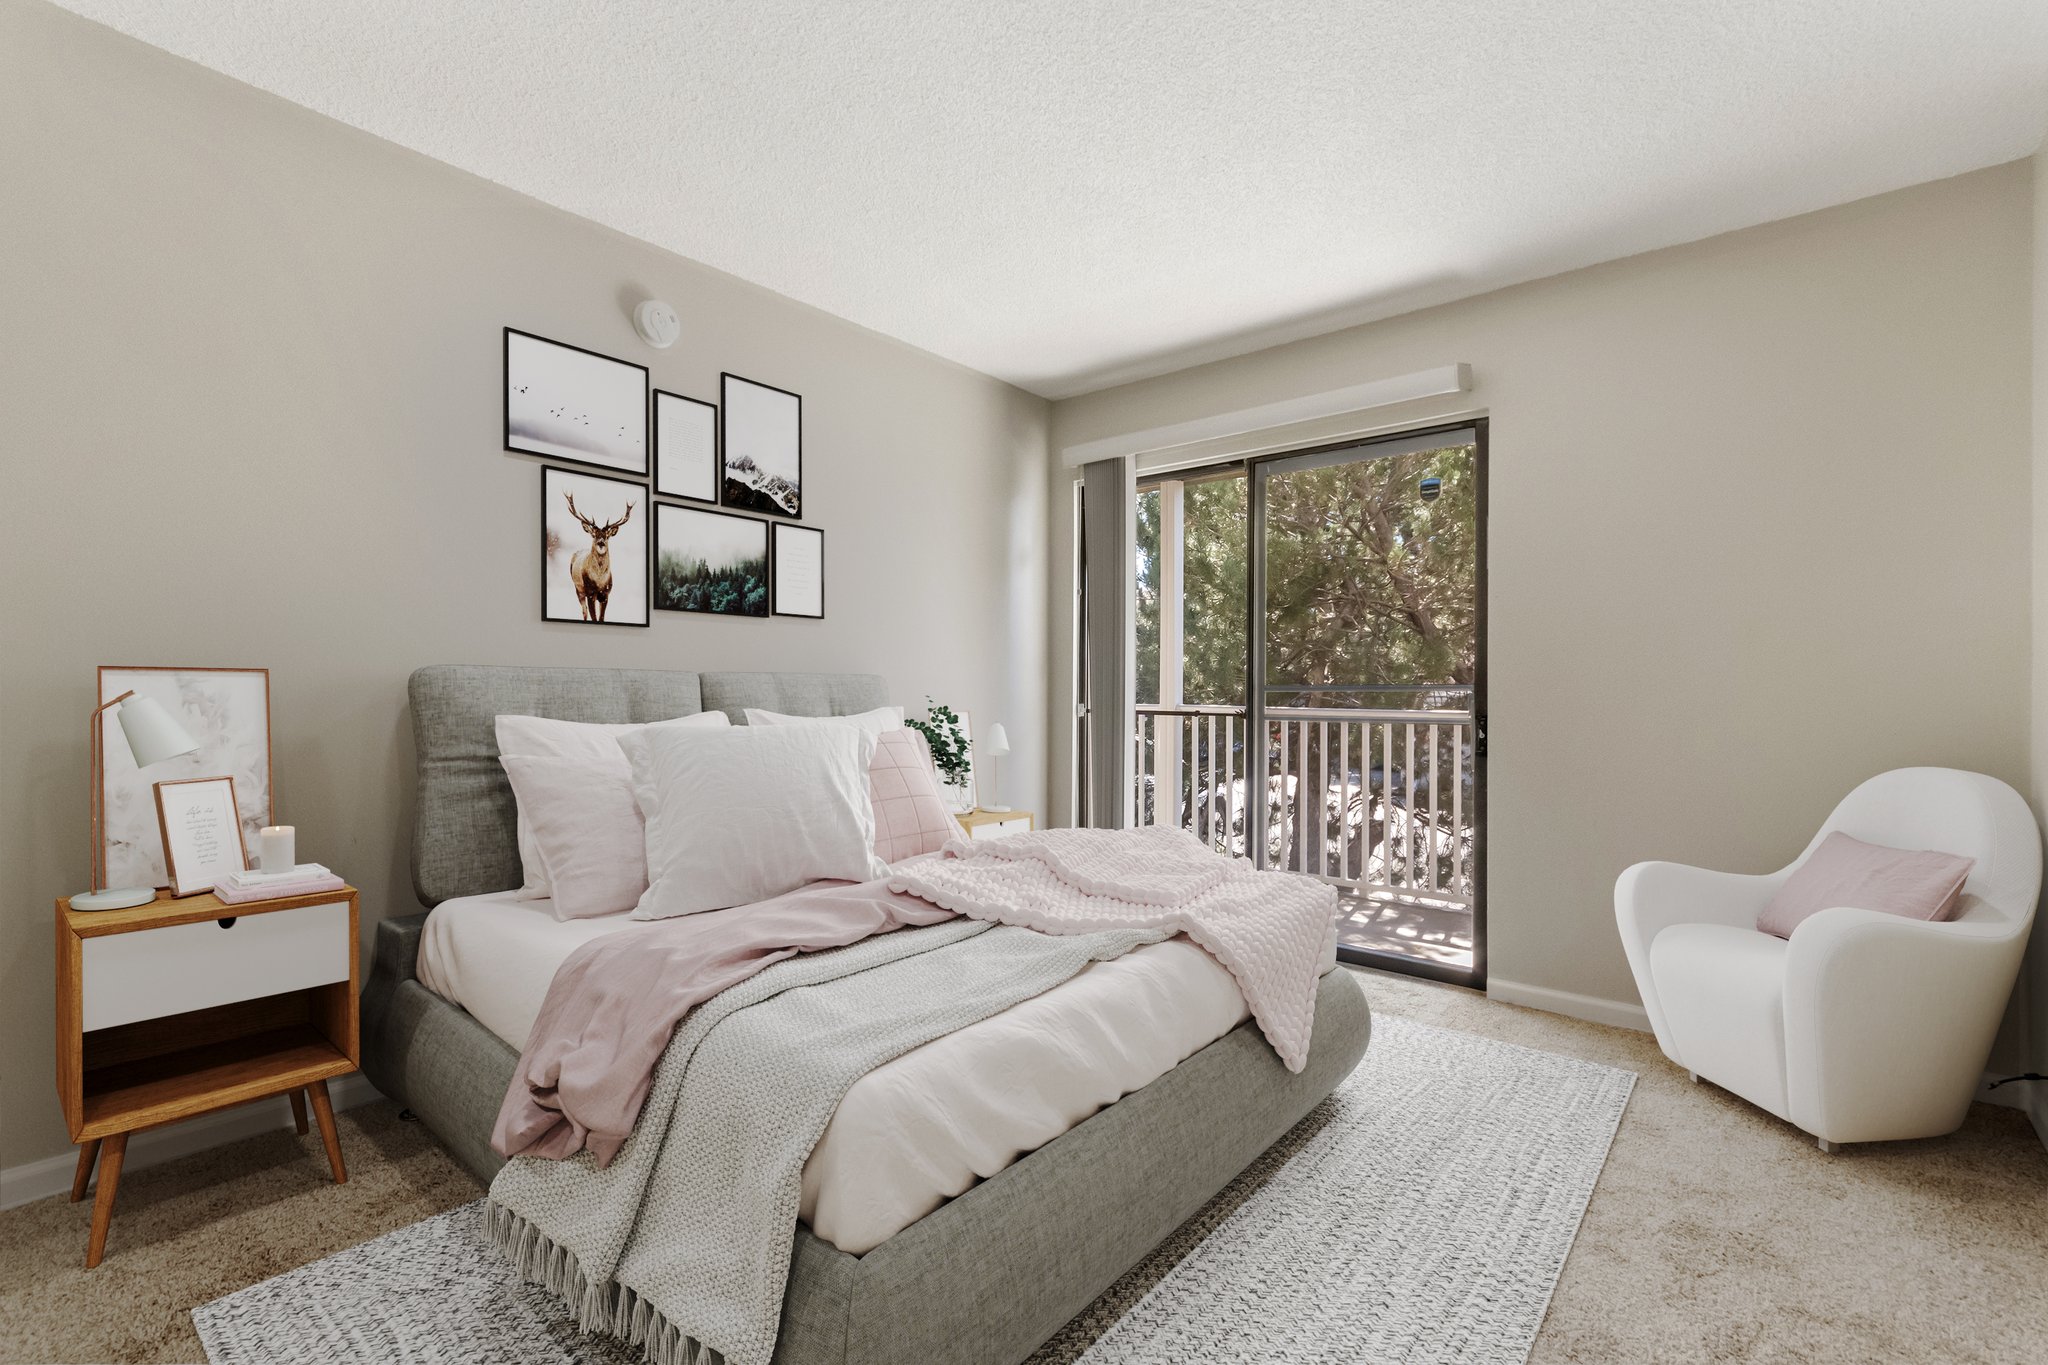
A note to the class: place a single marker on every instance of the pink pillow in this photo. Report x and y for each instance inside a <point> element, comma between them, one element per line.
<point>910,816</point>
<point>1846,871</point>
<point>586,829</point>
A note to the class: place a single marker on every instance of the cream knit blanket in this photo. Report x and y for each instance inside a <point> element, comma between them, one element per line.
<point>682,1245</point>
<point>1274,931</point>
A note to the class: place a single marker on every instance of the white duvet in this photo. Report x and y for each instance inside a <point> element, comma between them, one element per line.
<point>915,1132</point>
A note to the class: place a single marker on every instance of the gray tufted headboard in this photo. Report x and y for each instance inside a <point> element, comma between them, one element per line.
<point>465,833</point>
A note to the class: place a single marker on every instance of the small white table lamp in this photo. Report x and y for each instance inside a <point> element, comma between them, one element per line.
<point>153,735</point>
<point>994,745</point>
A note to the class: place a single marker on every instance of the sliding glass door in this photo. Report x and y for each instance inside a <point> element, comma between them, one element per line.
<point>1310,679</point>
<point>1366,688</point>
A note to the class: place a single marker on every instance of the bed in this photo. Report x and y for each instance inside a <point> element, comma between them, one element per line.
<point>1019,1253</point>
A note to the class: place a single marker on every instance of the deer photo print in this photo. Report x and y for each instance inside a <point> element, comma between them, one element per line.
<point>594,534</point>
<point>764,447</point>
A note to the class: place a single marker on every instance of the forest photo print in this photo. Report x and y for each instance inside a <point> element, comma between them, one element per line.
<point>710,562</point>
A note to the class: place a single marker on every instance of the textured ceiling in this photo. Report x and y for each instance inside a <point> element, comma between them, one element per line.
<point>1068,195</point>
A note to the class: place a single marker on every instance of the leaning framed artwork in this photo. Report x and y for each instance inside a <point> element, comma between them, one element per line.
<point>202,838</point>
<point>574,405</point>
<point>710,562</point>
<point>763,447</point>
<point>685,447</point>
<point>594,537</point>
<point>799,575</point>
<point>227,710</point>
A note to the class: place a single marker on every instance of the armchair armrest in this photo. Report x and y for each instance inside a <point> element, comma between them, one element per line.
<point>1889,1020</point>
<point>1651,897</point>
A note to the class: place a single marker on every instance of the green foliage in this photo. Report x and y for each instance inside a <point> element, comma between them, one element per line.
<point>943,732</point>
<point>1366,583</point>
<point>689,584</point>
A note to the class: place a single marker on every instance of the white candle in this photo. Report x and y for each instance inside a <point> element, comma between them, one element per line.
<point>277,852</point>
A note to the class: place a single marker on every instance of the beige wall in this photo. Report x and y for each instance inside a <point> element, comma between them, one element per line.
<point>1759,529</point>
<point>252,416</point>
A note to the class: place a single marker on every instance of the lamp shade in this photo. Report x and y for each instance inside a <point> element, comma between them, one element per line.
<point>153,734</point>
<point>995,743</point>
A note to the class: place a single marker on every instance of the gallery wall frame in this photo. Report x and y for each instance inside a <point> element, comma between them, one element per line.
<point>714,563</point>
<point>761,447</point>
<point>569,535</point>
<point>797,574</point>
<point>575,406</point>
<point>687,462</point>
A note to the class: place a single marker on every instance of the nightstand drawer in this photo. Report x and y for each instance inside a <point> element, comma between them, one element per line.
<point>996,829</point>
<point>181,967</point>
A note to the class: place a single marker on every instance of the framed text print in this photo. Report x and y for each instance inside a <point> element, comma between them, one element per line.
<point>201,833</point>
<point>799,571</point>
<point>685,448</point>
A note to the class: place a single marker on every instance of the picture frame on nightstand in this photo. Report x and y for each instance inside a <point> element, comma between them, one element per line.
<point>202,832</point>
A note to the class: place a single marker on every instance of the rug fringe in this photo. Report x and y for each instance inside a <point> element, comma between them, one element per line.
<point>598,1305</point>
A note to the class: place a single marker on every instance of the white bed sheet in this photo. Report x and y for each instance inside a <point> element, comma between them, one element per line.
<point>923,1128</point>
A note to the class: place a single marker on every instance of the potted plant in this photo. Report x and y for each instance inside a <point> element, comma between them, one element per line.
<point>945,735</point>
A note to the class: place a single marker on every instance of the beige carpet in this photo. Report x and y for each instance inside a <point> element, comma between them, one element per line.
<point>1716,1233</point>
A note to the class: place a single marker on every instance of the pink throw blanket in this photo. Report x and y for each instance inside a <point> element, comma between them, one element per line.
<point>1274,931</point>
<point>615,1002</point>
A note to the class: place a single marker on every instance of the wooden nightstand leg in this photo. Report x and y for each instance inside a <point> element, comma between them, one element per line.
<point>299,1111</point>
<point>323,1114</point>
<point>88,1153</point>
<point>111,1153</point>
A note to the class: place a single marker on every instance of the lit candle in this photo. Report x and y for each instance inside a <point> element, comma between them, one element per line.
<point>276,853</point>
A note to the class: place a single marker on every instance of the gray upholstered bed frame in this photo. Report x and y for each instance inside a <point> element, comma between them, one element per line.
<point>987,1277</point>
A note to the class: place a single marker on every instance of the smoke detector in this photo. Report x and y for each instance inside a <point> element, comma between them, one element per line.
<point>657,324</point>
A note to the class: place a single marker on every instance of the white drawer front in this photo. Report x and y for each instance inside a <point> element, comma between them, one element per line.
<point>996,829</point>
<point>155,972</point>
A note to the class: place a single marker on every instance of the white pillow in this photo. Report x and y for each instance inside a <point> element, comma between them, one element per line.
<point>583,821</point>
<point>737,816</point>
<point>874,722</point>
<point>587,743</point>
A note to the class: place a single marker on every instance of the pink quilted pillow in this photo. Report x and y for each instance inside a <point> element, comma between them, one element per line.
<point>1846,871</point>
<point>910,817</point>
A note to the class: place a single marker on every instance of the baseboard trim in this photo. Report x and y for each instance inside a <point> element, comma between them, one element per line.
<point>33,1180</point>
<point>1614,1013</point>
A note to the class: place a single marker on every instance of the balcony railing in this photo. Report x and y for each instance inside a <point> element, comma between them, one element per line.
<point>1376,800</point>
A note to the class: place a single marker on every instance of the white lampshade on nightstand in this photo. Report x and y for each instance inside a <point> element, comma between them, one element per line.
<point>153,735</point>
<point>993,746</point>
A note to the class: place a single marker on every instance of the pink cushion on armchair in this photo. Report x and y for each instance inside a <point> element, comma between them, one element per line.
<point>910,816</point>
<point>1844,871</point>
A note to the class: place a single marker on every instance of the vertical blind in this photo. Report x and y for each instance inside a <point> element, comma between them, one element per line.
<point>1109,570</point>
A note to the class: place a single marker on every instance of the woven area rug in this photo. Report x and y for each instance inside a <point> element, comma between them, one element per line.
<point>1421,1214</point>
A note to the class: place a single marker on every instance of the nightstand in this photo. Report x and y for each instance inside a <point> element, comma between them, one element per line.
<point>994,824</point>
<point>178,1008</point>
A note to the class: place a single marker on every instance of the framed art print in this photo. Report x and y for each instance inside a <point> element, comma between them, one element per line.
<point>571,404</point>
<point>763,448</point>
<point>710,561</point>
<point>227,710</point>
<point>594,536</point>
<point>201,835</point>
<point>685,448</point>
<point>799,571</point>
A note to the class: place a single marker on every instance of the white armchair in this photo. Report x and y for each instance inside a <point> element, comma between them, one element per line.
<point>1863,1026</point>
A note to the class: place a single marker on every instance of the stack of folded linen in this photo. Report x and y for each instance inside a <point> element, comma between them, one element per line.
<point>307,879</point>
